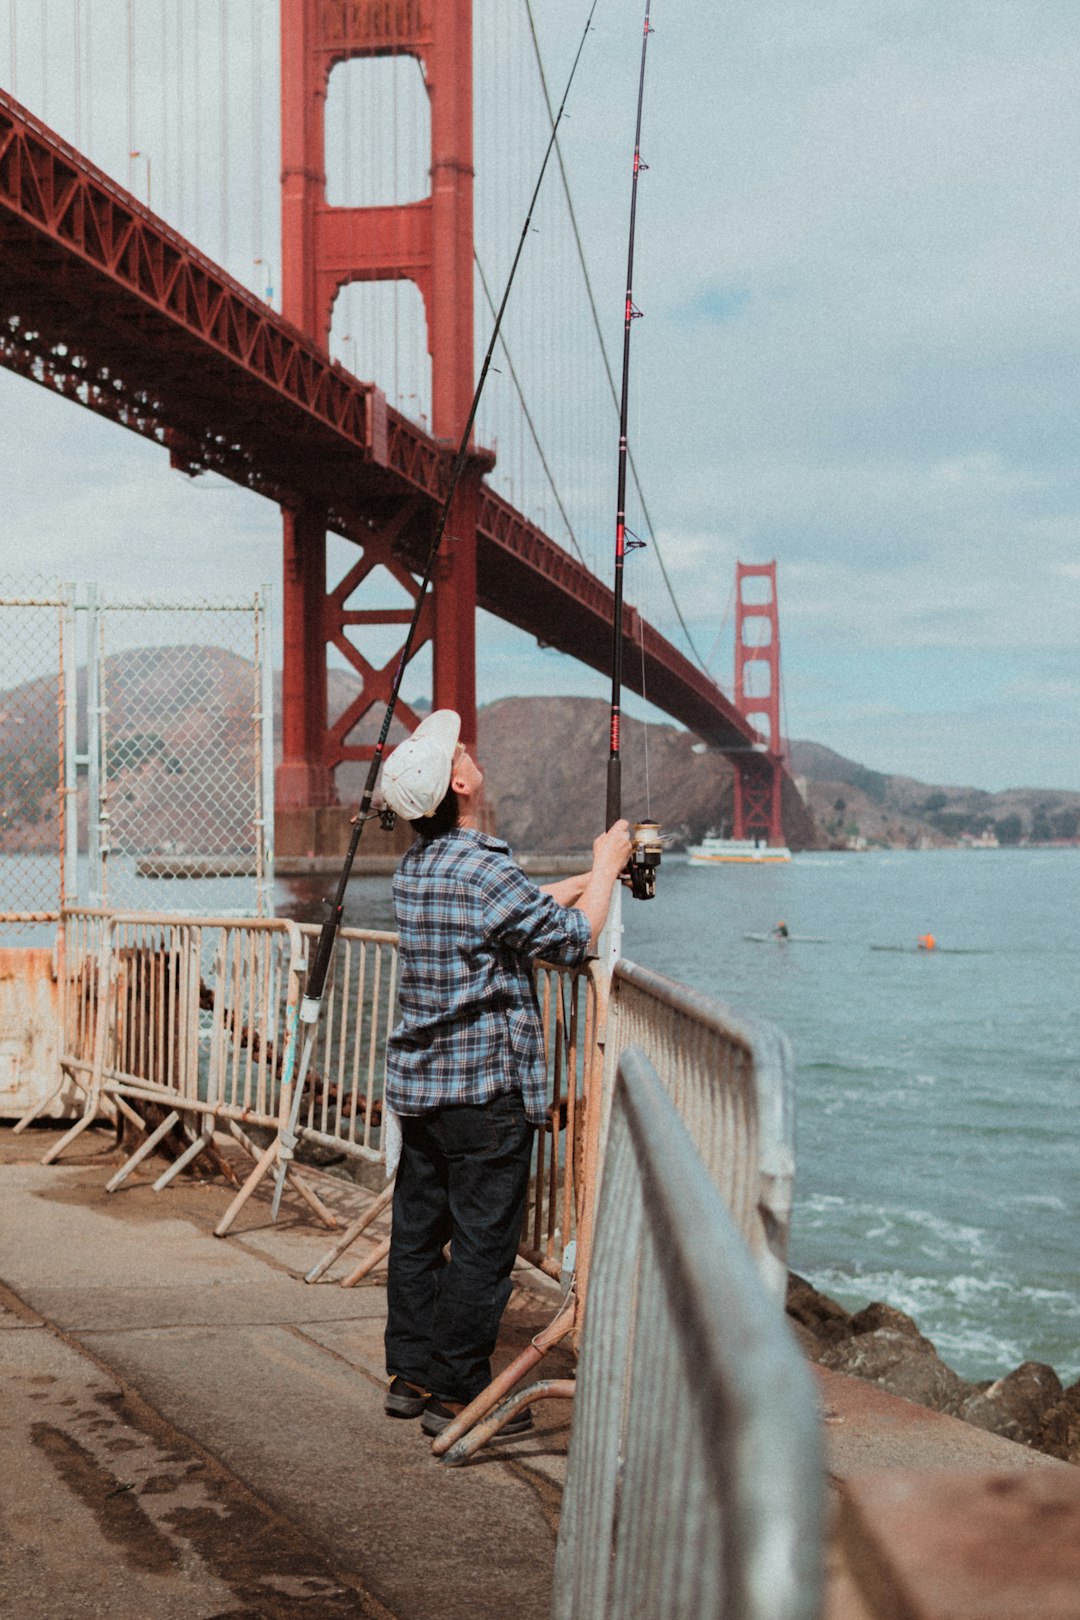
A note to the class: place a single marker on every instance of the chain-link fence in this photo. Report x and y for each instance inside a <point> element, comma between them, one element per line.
<point>33,624</point>
<point>186,794</point>
<point>136,756</point>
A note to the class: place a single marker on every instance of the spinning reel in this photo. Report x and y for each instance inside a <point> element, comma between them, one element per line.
<point>645,851</point>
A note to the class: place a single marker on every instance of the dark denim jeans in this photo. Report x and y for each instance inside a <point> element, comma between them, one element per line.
<point>463,1180</point>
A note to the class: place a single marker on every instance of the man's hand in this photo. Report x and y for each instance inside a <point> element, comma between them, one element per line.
<point>611,850</point>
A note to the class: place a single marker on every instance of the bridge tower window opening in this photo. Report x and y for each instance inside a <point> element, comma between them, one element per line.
<point>379,332</point>
<point>378,132</point>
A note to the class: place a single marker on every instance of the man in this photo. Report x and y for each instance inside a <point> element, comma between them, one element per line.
<point>465,1068</point>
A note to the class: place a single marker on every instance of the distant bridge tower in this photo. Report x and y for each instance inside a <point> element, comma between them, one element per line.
<point>758,776</point>
<point>429,242</point>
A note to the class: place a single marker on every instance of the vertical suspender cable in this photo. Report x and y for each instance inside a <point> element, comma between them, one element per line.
<point>223,91</point>
<point>76,20</point>
<point>131,93</point>
<point>256,134</point>
<point>316,981</point>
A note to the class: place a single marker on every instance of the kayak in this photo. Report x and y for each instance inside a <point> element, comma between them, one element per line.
<point>788,939</point>
<point>938,950</point>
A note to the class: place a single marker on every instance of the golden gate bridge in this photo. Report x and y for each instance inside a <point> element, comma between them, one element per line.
<point>104,302</point>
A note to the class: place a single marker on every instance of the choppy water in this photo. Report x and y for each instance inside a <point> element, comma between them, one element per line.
<point>937,1094</point>
<point>938,1117</point>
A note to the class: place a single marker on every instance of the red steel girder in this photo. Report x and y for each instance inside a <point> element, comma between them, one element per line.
<point>102,301</point>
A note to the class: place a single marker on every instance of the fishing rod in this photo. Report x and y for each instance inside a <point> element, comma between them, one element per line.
<point>640,874</point>
<point>311,1001</point>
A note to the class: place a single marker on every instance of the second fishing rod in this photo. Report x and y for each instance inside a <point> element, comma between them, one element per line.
<point>311,1002</point>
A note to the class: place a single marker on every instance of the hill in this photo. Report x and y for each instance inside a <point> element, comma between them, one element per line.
<point>851,803</point>
<point>545,759</point>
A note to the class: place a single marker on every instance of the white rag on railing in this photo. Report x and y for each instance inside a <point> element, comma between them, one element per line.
<point>391,1140</point>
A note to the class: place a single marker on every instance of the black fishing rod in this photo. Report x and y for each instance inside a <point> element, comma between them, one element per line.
<point>324,951</point>
<point>645,853</point>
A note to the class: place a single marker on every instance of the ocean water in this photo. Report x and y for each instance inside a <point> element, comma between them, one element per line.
<point>937,1094</point>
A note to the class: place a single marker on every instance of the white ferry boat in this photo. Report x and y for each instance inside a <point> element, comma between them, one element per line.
<point>711,851</point>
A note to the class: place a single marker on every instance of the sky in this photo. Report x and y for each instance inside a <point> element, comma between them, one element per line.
<point>858,253</point>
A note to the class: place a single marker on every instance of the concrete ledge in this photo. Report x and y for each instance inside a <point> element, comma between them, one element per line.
<point>868,1429</point>
<point>936,1545</point>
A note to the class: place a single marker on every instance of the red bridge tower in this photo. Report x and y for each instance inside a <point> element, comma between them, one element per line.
<point>758,776</point>
<point>429,242</point>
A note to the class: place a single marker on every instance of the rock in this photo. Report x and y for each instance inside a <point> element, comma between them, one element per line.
<point>1017,1405</point>
<point>885,1347</point>
<point>1060,1435</point>
<point>819,1316</point>
<point>902,1363</point>
<point>878,1315</point>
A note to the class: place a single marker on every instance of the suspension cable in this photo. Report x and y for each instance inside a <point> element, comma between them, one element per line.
<point>529,419</point>
<point>604,353</point>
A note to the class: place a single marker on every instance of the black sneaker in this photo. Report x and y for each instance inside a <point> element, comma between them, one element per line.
<point>405,1400</point>
<point>438,1415</point>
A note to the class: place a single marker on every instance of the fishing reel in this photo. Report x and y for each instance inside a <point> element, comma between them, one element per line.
<point>387,818</point>
<point>639,874</point>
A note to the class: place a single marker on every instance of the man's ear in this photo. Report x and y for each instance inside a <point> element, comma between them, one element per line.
<point>459,785</point>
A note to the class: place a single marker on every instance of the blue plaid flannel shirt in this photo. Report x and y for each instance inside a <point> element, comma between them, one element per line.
<point>470,925</point>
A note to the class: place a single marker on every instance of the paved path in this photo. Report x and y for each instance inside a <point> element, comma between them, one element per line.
<point>189,1429</point>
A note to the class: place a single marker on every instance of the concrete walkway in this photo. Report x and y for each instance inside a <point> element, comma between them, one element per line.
<point>187,1429</point>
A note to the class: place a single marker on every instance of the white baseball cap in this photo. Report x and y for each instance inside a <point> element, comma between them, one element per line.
<point>417,774</point>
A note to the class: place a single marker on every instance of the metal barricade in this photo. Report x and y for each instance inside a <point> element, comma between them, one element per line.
<point>349,1068</point>
<point>192,1017</point>
<point>695,1481</point>
<point>732,1082</point>
<point>343,1104</point>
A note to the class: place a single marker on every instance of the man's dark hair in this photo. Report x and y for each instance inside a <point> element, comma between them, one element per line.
<point>443,819</point>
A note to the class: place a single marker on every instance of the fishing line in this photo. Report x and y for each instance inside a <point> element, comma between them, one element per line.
<point>645,695</point>
<point>604,354</point>
<point>527,414</point>
<point>312,999</point>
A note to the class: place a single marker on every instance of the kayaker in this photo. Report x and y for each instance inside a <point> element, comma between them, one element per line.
<point>927,942</point>
<point>781,931</point>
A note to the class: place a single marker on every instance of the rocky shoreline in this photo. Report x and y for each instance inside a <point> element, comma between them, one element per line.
<point>882,1345</point>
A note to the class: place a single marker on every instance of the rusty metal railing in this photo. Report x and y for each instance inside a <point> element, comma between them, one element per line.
<point>731,1082</point>
<point>558,1206</point>
<point>695,1482</point>
<point>342,1107</point>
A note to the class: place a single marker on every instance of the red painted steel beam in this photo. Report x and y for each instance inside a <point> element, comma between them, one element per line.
<point>102,302</point>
